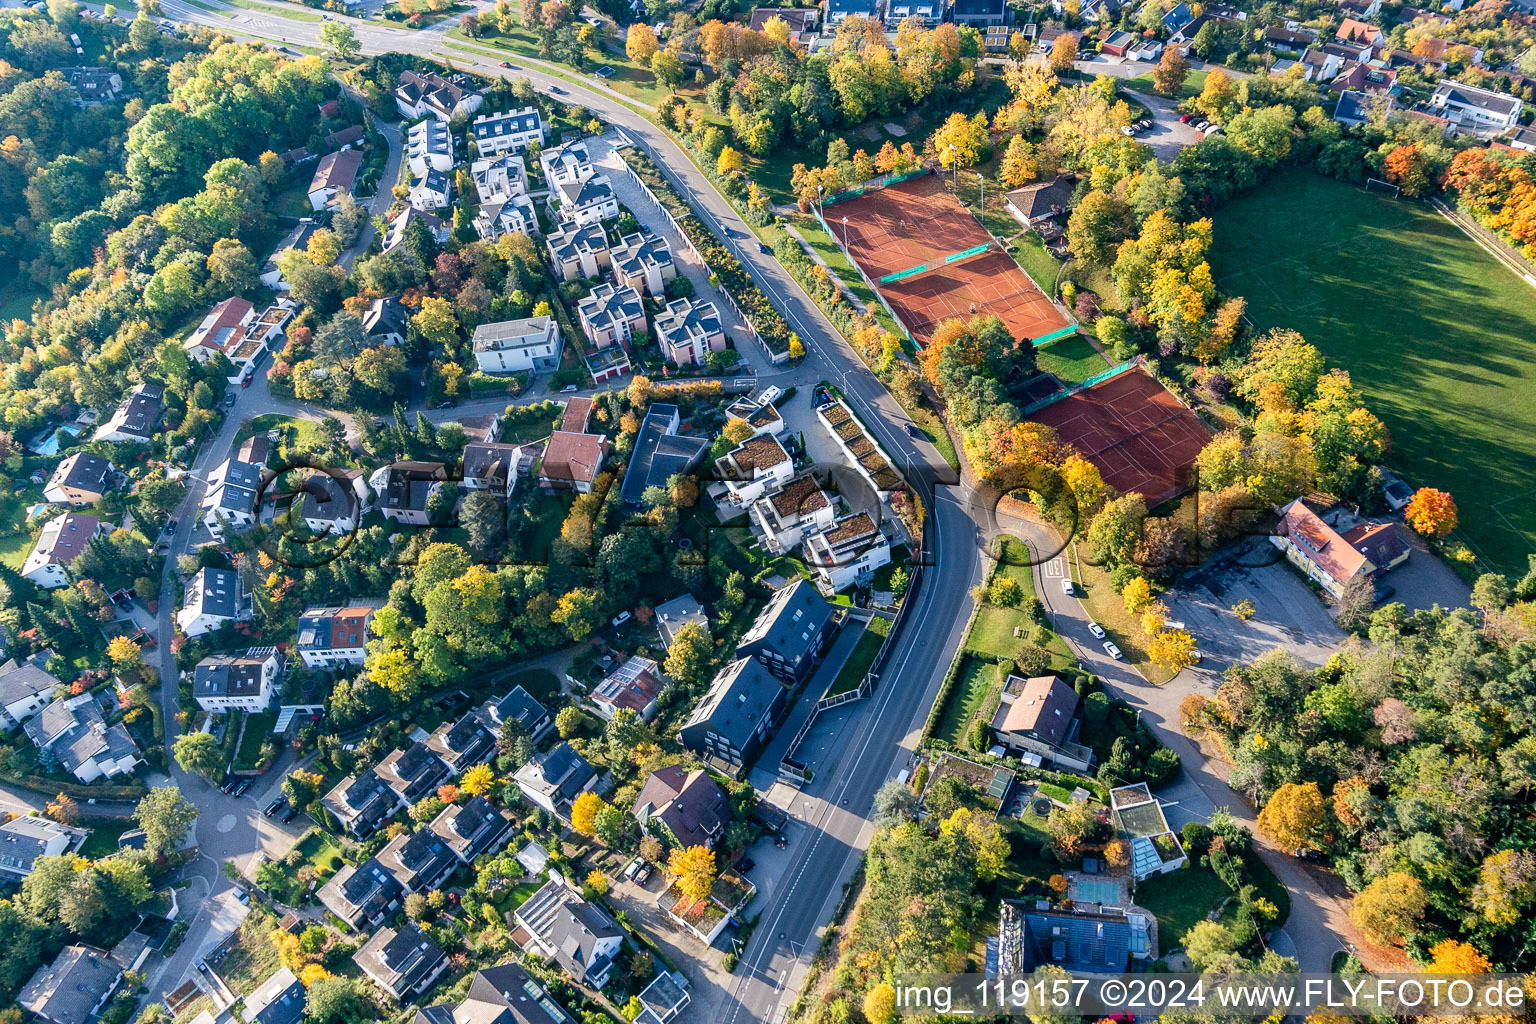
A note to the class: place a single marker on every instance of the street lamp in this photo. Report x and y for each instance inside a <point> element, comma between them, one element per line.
<point>954,162</point>
<point>845,232</point>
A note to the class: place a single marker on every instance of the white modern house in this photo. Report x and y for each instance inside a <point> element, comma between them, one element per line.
<point>579,935</point>
<point>333,501</point>
<point>136,418</point>
<point>500,175</point>
<point>588,200</point>
<point>567,163</point>
<point>420,94</point>
<point>643,261</point>
<point>214,597</point>
<point>431,191</point>
<point>579,250</point>
<point>24,839</point>
<point>688,331</point>
<point>335,637</point>
<point>61,540</point>
<point>428,147</point>
<point>512,346</point>
<point>752,469</point>
<point>784,517</point>
<point>849,548</point>
<point>506,214</point>
<point>511,131</point>
<point>222,683</point>
<point>234,488</point>
<point>1482,112</point>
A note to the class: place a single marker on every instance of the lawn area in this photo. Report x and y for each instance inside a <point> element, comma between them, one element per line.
<point>258,729</point>
<point>1191,87</point>
<point>297,433</point>
<point>102,842</point>
<point>1180,900</point>
<point>1449,364</point>
<point>1029,253</point>
<point>14,548</point>
<point>277,9</point>
<point>1072,360</point>
<point>16,302</point>
<point>863,655</point>
<point>977,681</point>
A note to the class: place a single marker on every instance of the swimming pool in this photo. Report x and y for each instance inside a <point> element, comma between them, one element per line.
<point>1088,891</point>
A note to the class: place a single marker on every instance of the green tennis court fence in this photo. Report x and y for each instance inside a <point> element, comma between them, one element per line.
<point>901,274</point>
<point>852,193</point>
<point>1046,339</point>
<point>974,251</point>
<point>1098,378</point>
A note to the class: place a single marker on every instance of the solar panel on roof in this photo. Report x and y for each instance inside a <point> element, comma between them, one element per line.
<point>999,785</point>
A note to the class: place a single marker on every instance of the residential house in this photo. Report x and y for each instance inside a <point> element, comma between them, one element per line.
<point>980,14</point>
<point>431,191</point>
<point>62,539</point>
<point>1080,941</point>
<point>413,773</point>
<point>336,173</point>
<point>507,994</point>
<point>420,860</point>
<point>673,615</point>
<point>435,226</point>
<point>136,418</point>
<point>419,94</point>
<point>506,214</point>
<point>331,636</point>
<point>1038,717</point>
<point>664,998</point>
<point>837,10</point>
<point>927,12</point>
<point>74,987</point>
<point>1115,45</point>
<point>224,322</point>
<point>737,715</point>
<point>362,896</point>
<point>1370,10</point>
<point>278,1000</point>
<point>491,467</point>
<point>1177,19</point>
<point>683,808</point>
<point>635,685</point>
<point>222,683</point>
<point>361,803</point>
<point>386,322</point>
<point>1283,37</point>
<point>1365,78</point>
<point>1482,112</point>
<point>499,176</point>
<point>404,489</point>
<point>757,466</point>
<point>588,200</point>
<point>688,331</point>
<point>93,86</point>
<point>1139,818</point>
<point>1333,559</point>
<point>462,744</point>
<point>402,963</point>
<point>1524,139</point>
<point>1356,107</point>
<point>580,936</point>
<point>1352,31</point>
<point>643,261</point>
<point>579,250</point>
<point>232,499</point>
<point>611,316</point>
<point>783,518</point>
<point>1033,205</point>
<point>296,239</point>
<point>567,163</point>
<point>518,706</point>
<point>81,479</point>
<point>473,828</point>
<point>1349,53</point>
<point>26,687</point>
<point>862,452</point>
<point>572,461</point>
<point>847,552</point>
<point>511,131</point>
<point>761,416</point>
<point>553,780</point>
<point>1320,66</point>
<point>660,453</point>
<point>333,501</point>
<point>24,839</point>
<point>788,634</point>
<point>514,346</point>
<point>213,597</point>
<point>73,729</point>
<point>1098,12</point>
<point>429,147</point>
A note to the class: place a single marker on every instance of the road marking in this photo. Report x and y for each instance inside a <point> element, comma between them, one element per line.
<point>1054,569</point>
<point>226,823</point>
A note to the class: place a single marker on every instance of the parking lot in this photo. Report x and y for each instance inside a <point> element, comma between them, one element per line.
<point>1168,136</point>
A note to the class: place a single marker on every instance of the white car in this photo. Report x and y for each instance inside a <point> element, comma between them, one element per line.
<point>1111,650</point>
<point>1175,624</point>
<point>620,619</point>
<point>1066,588</point>
<point>1126,129</point>
<point>1096,629</point>
<point>770,394</point>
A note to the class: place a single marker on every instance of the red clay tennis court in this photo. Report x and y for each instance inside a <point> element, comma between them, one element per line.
<point>918,221</point>
<point>1140,436</point>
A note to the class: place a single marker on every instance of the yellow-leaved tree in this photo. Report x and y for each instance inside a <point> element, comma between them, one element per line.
<point>694,868</point>
<point>584,812</point>
<point>478,780</point>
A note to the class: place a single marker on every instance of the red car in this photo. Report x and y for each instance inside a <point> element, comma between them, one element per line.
<point>247,382</point>
<point>1186,118</point>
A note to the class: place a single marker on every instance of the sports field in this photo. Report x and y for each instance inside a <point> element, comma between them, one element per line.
<point>1438,335</point>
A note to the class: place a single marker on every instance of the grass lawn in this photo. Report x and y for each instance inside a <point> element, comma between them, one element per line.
<point>297,433</point>
<point>1180,900</point>
<point>102,842</point>
<point>1191,87</point>
<point>1072,360</point>
<point>1029,253</point>
<point>15,547</point>
<point>1449,364</point>
<point>16,302</point>
<point>863,655</point>
<point>977,681</point>
<point>258,729</point>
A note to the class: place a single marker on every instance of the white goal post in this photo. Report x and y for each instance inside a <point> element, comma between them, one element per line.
<point>1377,185</point>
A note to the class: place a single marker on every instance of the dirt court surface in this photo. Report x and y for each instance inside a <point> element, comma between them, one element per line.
<point>1140,436</point>
<point>917,222</point>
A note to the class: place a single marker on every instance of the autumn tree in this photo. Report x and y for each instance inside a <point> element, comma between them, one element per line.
<point>1431,512</point>
<point>694,868</point>
<point>1295,815</point>
<point>1390,908</point>
<point>1407,168</point>
<point>1506,887</point>
<point>1019,166</point>
<point>1453,957</point>
<point>1171,71</point>
<point>1063,52</point>
<point>478,780</point>
<point>125,654</point>
<point>584,812</point>
<point>960,140</point>
<point>880,1004</point>
<point>640,44</point>
<point>1174,649</point>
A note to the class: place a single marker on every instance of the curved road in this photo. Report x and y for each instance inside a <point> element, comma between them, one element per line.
<point>881,732</point>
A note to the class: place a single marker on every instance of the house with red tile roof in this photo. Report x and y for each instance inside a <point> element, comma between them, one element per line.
<point>331,637</point>
<point>571,461</point>
<point>61,540</point>
<point>1333,559</point>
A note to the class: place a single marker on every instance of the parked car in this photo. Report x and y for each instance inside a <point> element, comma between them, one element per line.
<point>1307,853</point>
<point>505,64</point>
<point>170,527</point>
<point>644,874</point>
<point>744,865</point>
<point>247,382</point>
<point>229,401</point>
<point>447,404</point>
<point>762,247</point>
<point>913,432</point>
<point>1111,650</point>
<point>634,866</point>
<point>569,388</point>
<point>1384,591</point>
<point>620,619</point>
<point>293,812</point>
<point>1186,118</point>
<point>1126,129</point>
<point>274,807</point>
<point>1175,624</point>
<point>240,788</point>
<point>770,394</point>
<point>1068,589</point>
<point>1096,629</point>
<point>1202,126</point>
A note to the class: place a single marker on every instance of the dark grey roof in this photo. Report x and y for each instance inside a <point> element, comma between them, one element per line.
<point>23,840</point>
<point>1483,99</point>
<point>464,743</point>
<point>418,860</point>
<point>368,890</point>
<point>298,238</point>
<point>659,454</point>
<point>78,733</point>
<point>739,698</point>
<point>140,411</point>
<point>327,498</point>
<point>414,772</point>
<point>67,990</point>
<point>23,680</point>
<point>227,675</point>
<point>471,828</point>
<point>1078,942</point>
<point>980,8</point>
<point>405,959</point>
<point>520,705</point>
<point>386,315</point>
<point>275,1002</point>
<point>434,181</point>
<point>851,6</point>
<point>1043,199</point>
<point>214,592</point>
<point>791,620</point>
<point>85,471</point>
<point>515,122</point>
<point>509,995</point>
